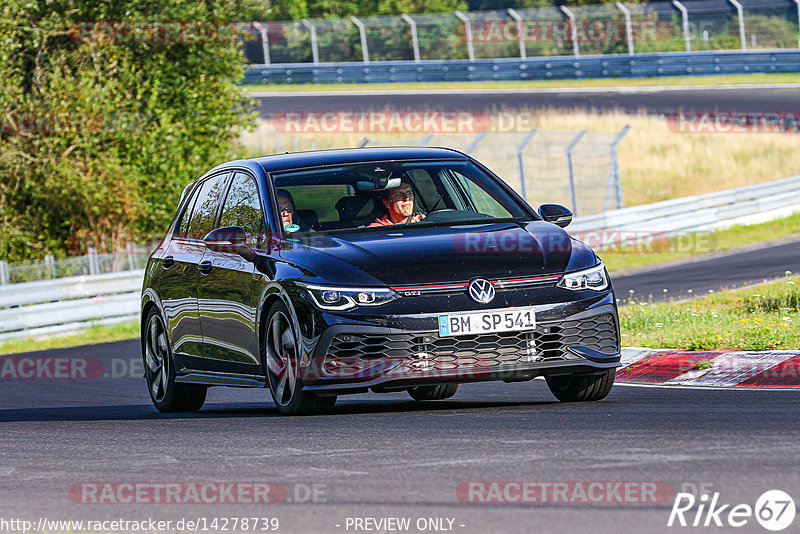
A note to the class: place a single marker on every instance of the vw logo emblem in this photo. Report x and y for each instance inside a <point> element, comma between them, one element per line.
<point>481,291</point>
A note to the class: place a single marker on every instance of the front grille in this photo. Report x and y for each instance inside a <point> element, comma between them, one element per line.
<point>352,353</point>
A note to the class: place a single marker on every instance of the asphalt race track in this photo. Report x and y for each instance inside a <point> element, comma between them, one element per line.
<point>746,99</point>
<point>695,278</point>
<point>387,456</point>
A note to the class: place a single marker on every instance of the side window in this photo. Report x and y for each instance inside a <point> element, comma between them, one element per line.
<point>243,208</point>
<point>429,196</point>
<point>481,201</point>
<point>201,220</point>
<point>183,223</point>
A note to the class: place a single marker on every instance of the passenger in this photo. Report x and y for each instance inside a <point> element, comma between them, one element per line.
<point>286,209</point>
<point>399,202</point>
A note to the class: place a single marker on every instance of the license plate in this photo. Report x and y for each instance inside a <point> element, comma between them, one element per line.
<point>511,320</point>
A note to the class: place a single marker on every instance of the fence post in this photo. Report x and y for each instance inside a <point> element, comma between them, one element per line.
<point>739,10</point>
<point>263,30</point>
<point>614,178</point>
<point>362,33</point>
<point>628,26</point>
<point>313,31</point>
<point>50,264</point>
<point>414,38</point>
<point>572,193</point>
<point>521,163</point>
<point>798,18</point>
<point>4,273</point>
<point>468,27</point>
<point>574,30</point>
<point>132,256</point>
<point>94,267</point>
<point>475,142</point>
<point>523,52</point>
<point>425,140</point>
<point>685,15</point>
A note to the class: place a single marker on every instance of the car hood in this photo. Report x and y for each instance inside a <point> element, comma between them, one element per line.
<point>430,255</point>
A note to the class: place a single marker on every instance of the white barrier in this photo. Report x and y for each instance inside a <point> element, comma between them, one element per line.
<point>712,211</point>
<point>64,304</point>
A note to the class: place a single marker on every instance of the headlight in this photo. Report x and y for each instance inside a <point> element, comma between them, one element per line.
<point>594,278</point>
<point>346,298</point>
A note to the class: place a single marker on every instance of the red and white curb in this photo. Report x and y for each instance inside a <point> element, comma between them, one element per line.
<point>710,368</point>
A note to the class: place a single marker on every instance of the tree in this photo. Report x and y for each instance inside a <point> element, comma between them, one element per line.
<point>101,128</point>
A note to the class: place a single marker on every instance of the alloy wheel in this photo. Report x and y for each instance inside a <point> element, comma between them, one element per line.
<point>157,359</point>
<point>281,348</point>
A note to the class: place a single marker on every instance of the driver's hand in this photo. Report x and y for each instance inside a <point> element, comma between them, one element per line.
<point>417,218</point>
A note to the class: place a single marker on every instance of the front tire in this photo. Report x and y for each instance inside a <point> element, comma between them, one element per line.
<point>439,392</point>
<point>282,362</point>
<point>159,371</point>
<point>581,387</point>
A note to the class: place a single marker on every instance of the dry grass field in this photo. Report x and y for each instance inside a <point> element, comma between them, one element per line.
<point>656,162</point>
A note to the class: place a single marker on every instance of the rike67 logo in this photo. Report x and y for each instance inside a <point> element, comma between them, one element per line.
<point>774,510</point>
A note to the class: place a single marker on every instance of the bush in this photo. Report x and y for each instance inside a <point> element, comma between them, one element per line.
<point>98,137</point>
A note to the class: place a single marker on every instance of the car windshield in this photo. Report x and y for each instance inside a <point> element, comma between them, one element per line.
<point>371,196</point>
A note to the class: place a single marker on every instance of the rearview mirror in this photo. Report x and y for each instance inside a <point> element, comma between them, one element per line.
<point>231,239</point>
<point>556,214</point>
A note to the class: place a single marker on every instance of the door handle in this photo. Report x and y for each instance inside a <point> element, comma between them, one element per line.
<point>205,266</point>
<point>167,262</point>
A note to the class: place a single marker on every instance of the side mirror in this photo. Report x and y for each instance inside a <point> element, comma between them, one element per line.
<point>232,239</point>
<point>556,214</point>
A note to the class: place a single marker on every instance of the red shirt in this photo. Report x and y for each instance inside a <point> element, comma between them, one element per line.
<point>386,221</point>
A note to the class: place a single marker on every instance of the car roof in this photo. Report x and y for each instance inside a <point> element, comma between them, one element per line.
<point>315,158</point>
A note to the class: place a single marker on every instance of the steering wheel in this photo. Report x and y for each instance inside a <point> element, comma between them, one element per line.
<point>433,216</point>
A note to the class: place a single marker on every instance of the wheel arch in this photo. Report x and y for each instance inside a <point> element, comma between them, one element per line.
<point>272,293</point>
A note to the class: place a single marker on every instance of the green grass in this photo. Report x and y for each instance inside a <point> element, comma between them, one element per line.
<point>90,336</point>
<point>734,79</point>
<point>698,244</point>
<point>760,318</point>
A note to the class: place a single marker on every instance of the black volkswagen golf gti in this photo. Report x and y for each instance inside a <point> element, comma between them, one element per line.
<point>324,273</point>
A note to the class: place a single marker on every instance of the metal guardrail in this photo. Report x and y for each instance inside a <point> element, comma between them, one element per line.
<point>600,28</point>
<point>50,306</point>
<point>711,211</point>
<point>64,304</point>
<point>535,68</point>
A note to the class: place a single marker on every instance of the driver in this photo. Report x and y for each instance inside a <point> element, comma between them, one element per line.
<point>399,202</point>
<point>287,212</point>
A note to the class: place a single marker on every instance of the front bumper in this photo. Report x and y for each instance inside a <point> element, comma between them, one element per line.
<point>353,358</point>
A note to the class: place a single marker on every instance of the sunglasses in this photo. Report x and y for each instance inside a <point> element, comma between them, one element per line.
<point>401,196</point>
<point>286,209</point>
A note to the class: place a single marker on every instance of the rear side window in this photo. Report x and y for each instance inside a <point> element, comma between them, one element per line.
<point>180,229</point>
<point>201,220</point>
<point>243,208</point>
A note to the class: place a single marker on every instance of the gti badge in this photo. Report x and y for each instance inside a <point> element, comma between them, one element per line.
<point>481,291</point>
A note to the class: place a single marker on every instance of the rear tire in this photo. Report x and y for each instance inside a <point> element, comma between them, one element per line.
<point>442,391</point>
<point>282,363</point>
<point>581,387</point>
<point>159,371</point>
